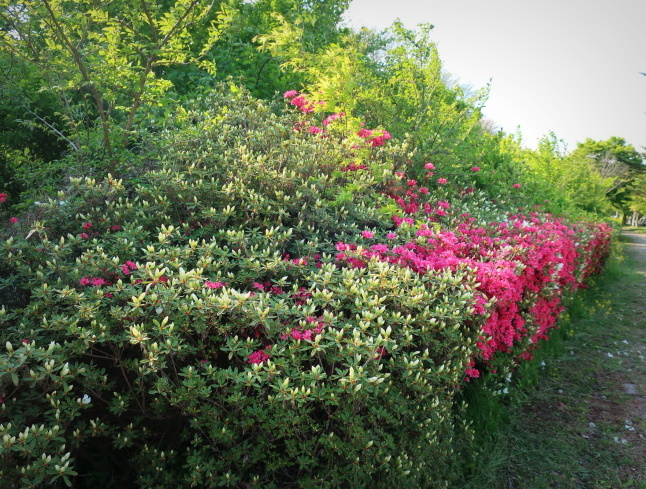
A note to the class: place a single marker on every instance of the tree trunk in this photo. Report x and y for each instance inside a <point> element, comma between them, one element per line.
<point>634,219</point>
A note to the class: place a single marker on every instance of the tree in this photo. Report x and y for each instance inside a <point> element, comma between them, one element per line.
<point>99,59</point>
<point>613,159</point>
<point>570,181</point>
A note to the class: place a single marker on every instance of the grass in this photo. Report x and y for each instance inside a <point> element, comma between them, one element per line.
<point>566,423</point>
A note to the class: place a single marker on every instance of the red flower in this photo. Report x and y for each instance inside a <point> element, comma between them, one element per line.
<point>3,197</point>
<point>87,225</point>
<point>14,220</point>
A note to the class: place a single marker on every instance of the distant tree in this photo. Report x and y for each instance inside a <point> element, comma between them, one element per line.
<point>613,159</point>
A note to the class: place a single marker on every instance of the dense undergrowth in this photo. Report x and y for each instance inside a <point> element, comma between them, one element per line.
<point>263,298</point>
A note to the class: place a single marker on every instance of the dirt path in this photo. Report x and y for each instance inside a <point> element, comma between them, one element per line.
<point>625,377</point>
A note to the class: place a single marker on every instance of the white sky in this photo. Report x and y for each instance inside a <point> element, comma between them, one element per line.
<point>567,66</point>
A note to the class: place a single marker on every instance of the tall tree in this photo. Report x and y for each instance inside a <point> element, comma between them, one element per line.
<point>99,58</point>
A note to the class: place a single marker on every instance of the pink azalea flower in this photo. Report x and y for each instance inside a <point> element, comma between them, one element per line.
<point>14,220</point>
<point>364,133</point>
<point>391,236</point>
<point>441,180</point>
<point>331,118</point>
<point>314,130</point>
<point>87,225</point>
<point>213,285</point>
<point>290,94</point>
<point>3,197</point>
<point>97,281</point>
<point>367,234</point>
<point>429,166</point>
<point>475,168</point>
<point>516,185</point>
<point>85,281</point>
<point>257,357</point>
<point>83,236</point>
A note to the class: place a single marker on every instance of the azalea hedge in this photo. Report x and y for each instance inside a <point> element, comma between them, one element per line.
<point>264,300</point>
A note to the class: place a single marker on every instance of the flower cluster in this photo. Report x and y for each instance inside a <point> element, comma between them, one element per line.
<point>522,265</point>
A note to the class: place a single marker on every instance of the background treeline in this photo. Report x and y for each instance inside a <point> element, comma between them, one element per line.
<point>82,80</point>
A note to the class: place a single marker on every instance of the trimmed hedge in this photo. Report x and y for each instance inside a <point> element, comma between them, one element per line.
<point>259,306</point>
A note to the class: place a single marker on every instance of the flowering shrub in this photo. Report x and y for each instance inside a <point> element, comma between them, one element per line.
<point>266,307</point>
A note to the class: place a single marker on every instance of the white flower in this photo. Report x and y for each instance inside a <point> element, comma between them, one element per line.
<point>86,399</point>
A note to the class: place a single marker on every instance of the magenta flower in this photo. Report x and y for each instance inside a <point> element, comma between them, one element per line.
<point>429,166</point>
<point>83,235</point>
<point>14,220</point>
<point>87,225</point>
<point>257,357</point>
<point>85,281</point>
<point>441,180</point>
<point>475,168</point>
<point>391,236</point>
<point>213,285</point>
<point>367,234</point>
<point>516,185</point>
<point>331,118</point>
<point>314,130</point>
<point>3,197</point>
<point>290,94</point>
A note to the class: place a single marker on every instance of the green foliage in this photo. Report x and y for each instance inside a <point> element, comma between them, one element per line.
<point>569,183</point>
<point>615,161</point>
<point>99,60</point>
<point>139,334</point>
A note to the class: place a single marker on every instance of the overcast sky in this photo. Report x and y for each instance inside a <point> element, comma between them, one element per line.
<point>567,66</point>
